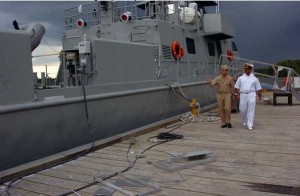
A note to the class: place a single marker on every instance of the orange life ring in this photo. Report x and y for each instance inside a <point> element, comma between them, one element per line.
<point>177,51</point>
<point>181,52</point>
<point>229,55</point>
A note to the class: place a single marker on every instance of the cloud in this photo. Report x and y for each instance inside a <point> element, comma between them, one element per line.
<point>265,31</point>
<point>52,62</point>
<point>46,49</point>
<point>51,70</point>
<point>4,18</point>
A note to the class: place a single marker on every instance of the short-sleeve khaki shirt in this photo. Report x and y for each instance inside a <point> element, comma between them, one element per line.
<point>224,84</point>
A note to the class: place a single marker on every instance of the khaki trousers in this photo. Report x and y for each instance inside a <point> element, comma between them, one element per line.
<point>224,103</point>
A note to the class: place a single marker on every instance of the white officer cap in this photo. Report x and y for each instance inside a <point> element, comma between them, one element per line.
<point>248,65</point>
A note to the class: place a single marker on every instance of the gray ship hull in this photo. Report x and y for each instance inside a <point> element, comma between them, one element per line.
<point>33,131</point>
<point>124,60</point>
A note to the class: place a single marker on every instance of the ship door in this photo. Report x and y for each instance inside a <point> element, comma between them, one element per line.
<point>219,49</point>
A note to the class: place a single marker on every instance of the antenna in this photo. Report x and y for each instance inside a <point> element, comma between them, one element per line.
<point>16,25</point>
<point>80,9</point>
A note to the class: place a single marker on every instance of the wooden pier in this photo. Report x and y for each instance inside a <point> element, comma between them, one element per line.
<point>265,161</point>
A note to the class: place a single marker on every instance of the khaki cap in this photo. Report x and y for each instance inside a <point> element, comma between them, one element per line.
<point>224,67</point>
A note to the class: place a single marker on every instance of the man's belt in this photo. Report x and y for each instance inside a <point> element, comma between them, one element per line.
<point>223,92</point>
<point>247,92</point>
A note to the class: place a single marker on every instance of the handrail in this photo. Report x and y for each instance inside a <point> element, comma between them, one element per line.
<point>172,70</point>
<point>43,55</point>
<point>90,15</point>
<point>87,4</point>
<point>277,68</point>
<point>260,62</point>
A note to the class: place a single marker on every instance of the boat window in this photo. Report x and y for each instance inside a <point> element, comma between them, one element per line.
<point>190,44</point>
<point>234,48</point>
<point>211,49</point>
<point>171,9</point>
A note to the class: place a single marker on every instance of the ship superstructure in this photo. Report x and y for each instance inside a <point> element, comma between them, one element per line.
<point>132,41</point>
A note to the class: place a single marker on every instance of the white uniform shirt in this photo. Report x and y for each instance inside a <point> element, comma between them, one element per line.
<point>247,84</point>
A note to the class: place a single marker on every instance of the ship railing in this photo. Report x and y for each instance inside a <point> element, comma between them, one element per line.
<point>89,13</point>
<point>139,10</point>
<point>173,70</point>
<point>271,76</point>
<point>142,10</point>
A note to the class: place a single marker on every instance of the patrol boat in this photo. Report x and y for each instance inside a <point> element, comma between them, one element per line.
<point>125,66</point>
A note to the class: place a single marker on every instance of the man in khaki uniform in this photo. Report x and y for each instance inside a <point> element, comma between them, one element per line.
<point>225,87</point>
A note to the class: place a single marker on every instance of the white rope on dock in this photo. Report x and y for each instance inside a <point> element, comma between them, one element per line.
<point>206,117</point>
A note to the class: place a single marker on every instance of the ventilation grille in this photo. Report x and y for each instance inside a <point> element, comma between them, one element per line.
<point>166,50</point>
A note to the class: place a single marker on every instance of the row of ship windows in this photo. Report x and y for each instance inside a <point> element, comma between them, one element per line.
<point>211,47</point>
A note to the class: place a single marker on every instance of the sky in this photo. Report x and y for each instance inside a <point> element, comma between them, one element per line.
<point>267,31</point>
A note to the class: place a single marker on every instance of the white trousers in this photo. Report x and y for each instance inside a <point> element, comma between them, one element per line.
<point>247,108</point>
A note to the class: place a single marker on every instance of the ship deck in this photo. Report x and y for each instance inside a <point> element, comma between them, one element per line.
<point>265,161</point>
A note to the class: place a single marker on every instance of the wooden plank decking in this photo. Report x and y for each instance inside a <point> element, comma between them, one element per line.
<point>265,161</point>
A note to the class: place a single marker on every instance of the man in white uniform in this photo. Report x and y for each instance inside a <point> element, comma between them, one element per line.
<point>247,86</point>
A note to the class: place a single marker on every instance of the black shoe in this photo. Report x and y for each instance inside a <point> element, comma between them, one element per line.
<point>223,126</point>
<point>229,125</point>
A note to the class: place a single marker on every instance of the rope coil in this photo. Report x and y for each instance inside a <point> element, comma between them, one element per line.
<point>206,117</point>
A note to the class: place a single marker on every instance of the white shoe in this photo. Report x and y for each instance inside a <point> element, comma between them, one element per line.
<point>244,124</point>
<point>250,128</point>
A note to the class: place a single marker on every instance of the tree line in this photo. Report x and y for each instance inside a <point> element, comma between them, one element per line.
<point>294,64</point>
